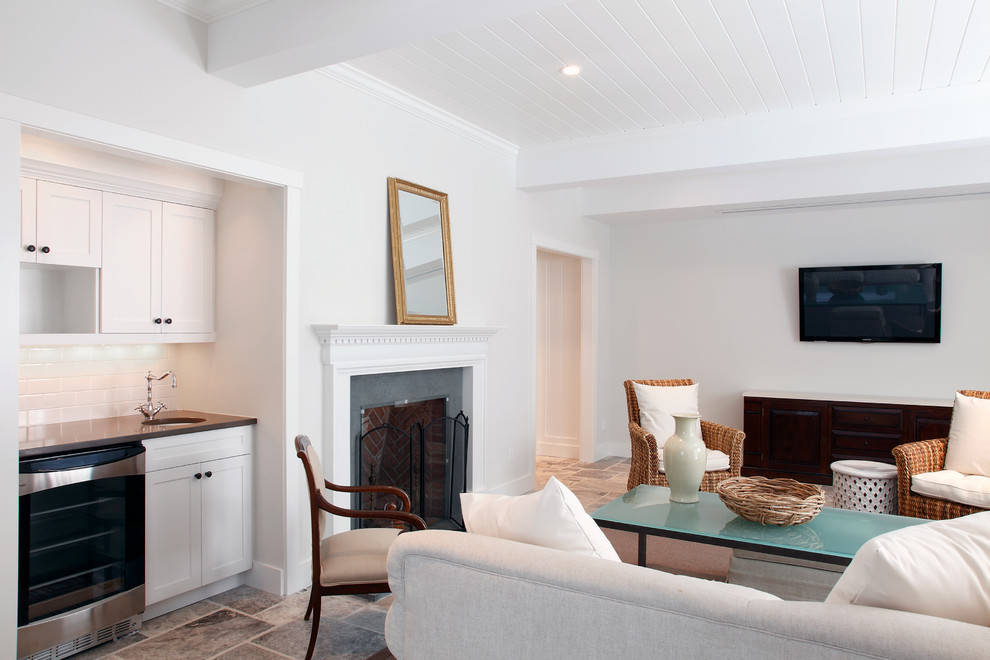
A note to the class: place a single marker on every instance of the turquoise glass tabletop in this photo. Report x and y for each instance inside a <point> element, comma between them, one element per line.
<point>833,536</point>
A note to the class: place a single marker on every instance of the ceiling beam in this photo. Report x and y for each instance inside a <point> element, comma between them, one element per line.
<point>929,122</point>
<point>285,37</point>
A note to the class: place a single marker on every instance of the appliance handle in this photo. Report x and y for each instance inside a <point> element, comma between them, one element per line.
<point>55,471</point>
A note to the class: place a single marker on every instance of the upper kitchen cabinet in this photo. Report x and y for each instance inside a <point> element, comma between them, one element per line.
<point>60,224</point>
<point>158,267</point>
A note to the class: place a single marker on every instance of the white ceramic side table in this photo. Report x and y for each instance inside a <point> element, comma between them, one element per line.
<point>865,486</point>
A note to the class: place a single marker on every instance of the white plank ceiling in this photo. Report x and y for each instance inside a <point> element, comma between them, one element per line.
<point>648,64</point>
<point>658,63</point>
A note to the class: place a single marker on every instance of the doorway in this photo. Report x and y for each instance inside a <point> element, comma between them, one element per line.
<point>564,367</point>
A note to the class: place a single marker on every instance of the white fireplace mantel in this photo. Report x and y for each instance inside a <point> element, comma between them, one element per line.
<point>358,350</point>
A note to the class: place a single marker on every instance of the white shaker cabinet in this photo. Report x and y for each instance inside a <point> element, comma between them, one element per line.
<point>198,521</point>
<point>60,224</point>
<point>158,267</point>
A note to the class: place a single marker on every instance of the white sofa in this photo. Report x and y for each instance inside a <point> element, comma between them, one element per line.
<point>463,595</point>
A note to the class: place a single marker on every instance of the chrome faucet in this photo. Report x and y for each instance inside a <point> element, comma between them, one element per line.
<point>149,410</point>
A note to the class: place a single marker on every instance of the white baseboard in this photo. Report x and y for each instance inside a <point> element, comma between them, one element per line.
<point>557,450</point>
<point>190,597</point>
<point>520,486</point>
<point>267,578</point>
<point>612,449</point>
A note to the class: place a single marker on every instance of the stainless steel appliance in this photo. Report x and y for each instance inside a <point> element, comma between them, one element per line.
<point>81,550</point>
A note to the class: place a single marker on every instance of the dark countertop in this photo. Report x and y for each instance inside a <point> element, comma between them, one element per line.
<point>47,439</point>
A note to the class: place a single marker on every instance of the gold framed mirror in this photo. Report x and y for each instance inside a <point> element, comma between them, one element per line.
<point>421,259</point>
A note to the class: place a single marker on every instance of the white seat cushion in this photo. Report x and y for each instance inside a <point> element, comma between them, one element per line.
<point>552,517</point>
<point>717,461</point>
<point>356,556</point>
<point>971,489</point>
<point>938,568</point>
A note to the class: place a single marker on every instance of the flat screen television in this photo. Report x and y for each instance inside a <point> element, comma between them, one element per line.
<point>899,303</point>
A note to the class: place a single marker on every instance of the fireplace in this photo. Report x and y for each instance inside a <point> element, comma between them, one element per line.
<point>410,431</point>
<point>426,460</point>
<point>351,352</point>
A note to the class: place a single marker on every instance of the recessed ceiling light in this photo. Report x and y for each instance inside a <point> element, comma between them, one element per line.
<point>571,70</point>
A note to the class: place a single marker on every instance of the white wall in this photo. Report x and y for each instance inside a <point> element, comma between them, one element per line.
<point>10,240</point>
<point>139,64</point>
<point>716,300</point>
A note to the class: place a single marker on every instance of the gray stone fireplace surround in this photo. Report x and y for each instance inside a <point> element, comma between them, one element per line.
<point>376,389</point>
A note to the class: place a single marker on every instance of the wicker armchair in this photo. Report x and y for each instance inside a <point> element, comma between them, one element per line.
<point>645,467</point>
<point>927,456</point>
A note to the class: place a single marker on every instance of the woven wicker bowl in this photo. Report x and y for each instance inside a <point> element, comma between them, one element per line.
<point>772,501</point>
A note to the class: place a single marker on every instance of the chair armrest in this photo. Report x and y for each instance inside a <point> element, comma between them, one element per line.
<point>398,516</point>
<point>727,440</point>
<point>644,466</point>
<point>723,438</point>
<point>920,457</point>
<point>640,434</point>
<point>384,490</point>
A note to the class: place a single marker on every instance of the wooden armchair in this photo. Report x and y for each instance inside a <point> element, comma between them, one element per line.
<point>645,467</point>
<point>921,457</point>
<point>351,562</point>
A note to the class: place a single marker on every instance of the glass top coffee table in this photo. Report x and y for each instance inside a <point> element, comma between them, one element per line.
<point>832,537</point>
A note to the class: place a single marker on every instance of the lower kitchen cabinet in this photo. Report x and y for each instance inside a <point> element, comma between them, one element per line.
<point>198,524</point>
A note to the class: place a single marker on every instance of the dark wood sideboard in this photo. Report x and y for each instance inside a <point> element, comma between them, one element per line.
<point>799,436</point>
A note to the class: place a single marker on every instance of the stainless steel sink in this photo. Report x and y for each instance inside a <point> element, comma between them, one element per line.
<point>168,421</point>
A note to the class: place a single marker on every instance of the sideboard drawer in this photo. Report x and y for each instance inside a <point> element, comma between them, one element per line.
<point>869,443</point>
<point>881,419</point>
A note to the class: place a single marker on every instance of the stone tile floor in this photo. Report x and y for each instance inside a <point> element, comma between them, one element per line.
<point>249,624</point>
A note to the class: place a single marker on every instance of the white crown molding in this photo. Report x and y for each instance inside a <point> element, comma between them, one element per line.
<point>208,11</point>
<point>111,183</point>
<point>364,82</point>
<point>382,335</point>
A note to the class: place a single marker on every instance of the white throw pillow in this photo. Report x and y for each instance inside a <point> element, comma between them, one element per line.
<point>969,436</point>
<point>552,517</point>
<point>939,568</point>
<point>657,403</point>
<point>971,489</point>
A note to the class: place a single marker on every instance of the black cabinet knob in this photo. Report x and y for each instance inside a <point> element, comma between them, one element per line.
<point>46,249</point>
<point>158,321</point>
<point>198,475</point>
<point>209,474</point>
<point>30,248</point>
<point>168,321</point>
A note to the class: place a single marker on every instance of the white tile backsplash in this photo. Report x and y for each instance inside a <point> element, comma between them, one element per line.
<point>73,383</point>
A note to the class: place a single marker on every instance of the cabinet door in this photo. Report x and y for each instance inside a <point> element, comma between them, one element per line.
<point>69,225</point>
<point>188,263</point>
<point>796,436</point>
<point>29,220</point>
<point>173,532</point>
<point>227,517</point>
<point>130,283</point>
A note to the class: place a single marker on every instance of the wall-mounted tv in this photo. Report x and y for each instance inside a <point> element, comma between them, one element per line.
<point>899,303</point>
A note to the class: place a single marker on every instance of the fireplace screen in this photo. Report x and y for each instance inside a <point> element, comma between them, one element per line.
<point>415,446</point>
